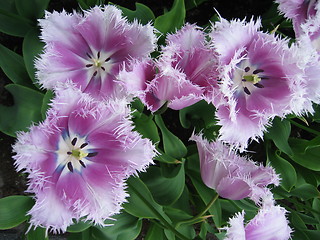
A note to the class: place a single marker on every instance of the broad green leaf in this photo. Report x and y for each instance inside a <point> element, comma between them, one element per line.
<point>13,210</point>
<point>172,145</point>
<point>141,203</point>
<point>316,206</point>
<point>165,190</point>
<point>206,195</point>
<point>279,133</point>
<point>26,110</point>
<point>37,234</point>
<point>296,221</point>
<point>32,47</point>
<point>200,114</point>
<point>306,191</point>
<point>142,13</point>
<point>287,172</point>
<point>146,127</point>
<point>13,66</point>
<point>13,24</point>
<point>32,9</point>
<point>45,102</point>
<point>162,157</point>
<point>155,232</point>
<point>306,153</point>
<point>84,235</point>
<point>177,215</point>
<point>172,20</point>
<point>124,226</point>
<point>78,227</point>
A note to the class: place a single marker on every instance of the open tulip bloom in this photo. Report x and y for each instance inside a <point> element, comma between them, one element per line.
<point>259,79</point>
<point>79,158</point>
<point>90,49</point>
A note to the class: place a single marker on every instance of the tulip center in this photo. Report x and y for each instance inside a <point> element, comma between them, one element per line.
<point>78,153</point>
<point>75,154</point>
<point>98,63</point>
<point>247,78</point>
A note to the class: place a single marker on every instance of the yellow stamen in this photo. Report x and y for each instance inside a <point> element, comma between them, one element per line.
<point>254,78</point>
<point>77,153</point>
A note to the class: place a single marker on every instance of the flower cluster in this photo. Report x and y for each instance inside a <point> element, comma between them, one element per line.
<point>79,157</point>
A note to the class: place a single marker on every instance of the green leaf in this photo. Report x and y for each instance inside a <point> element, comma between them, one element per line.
<point>200,114</point>
<point>165,189</point>
<point>45,103</point>
<point>141,203</point>
<point>172,20</point>
<point>172,145</point>
<point>279,133</point>
<point>155,232</point>
<point>31,48</point>
<point>306,153</point>
<point>125,226</point>
<point>31,9</point>
<point>287,172</point>
<point>142,13</point>
<point>146,127</point>
<point>13,66</point>
<point>27,109</point>
<point>78,227</point>
<point>13,210</point>
<point>37,234</point>
<point>206,195</point>
<point>165,158</point>
<point>13,24</point>
<point>305,191</point>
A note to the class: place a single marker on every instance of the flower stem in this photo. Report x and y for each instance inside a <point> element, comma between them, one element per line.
<point>310,130</point>
<point>199,215</point>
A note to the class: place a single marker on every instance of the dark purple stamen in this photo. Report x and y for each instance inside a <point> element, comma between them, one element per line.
<point>264,78</point>
<point>247,69</point>
<point>95,73</point>
<point>103,68</point>
<point>70,167</point>
<point>258,85</point>
<point>108,59</point>
<point>83,145</point>
<point>98,54</point>
<point>69,153</point>
<point>246,90</point>
<point>92,154</point>
<point>258,71</point>
<point>89,65</point>
<point>88,55</point>
<point>82,164</point>
<point>243,80</point>
<point>74,141</point>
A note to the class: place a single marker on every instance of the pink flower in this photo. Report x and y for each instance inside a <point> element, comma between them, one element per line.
<point>269,224</point>
<point>232,176</point>
<point>183,74</point>
<point>259,77</point>
<point>89,49</point>
<point>79,158</point>
<point>299,11</point>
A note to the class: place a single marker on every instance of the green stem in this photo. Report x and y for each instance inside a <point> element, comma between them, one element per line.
<point>199,215</point>
<point>159,216</point>
<point>310,130</point>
